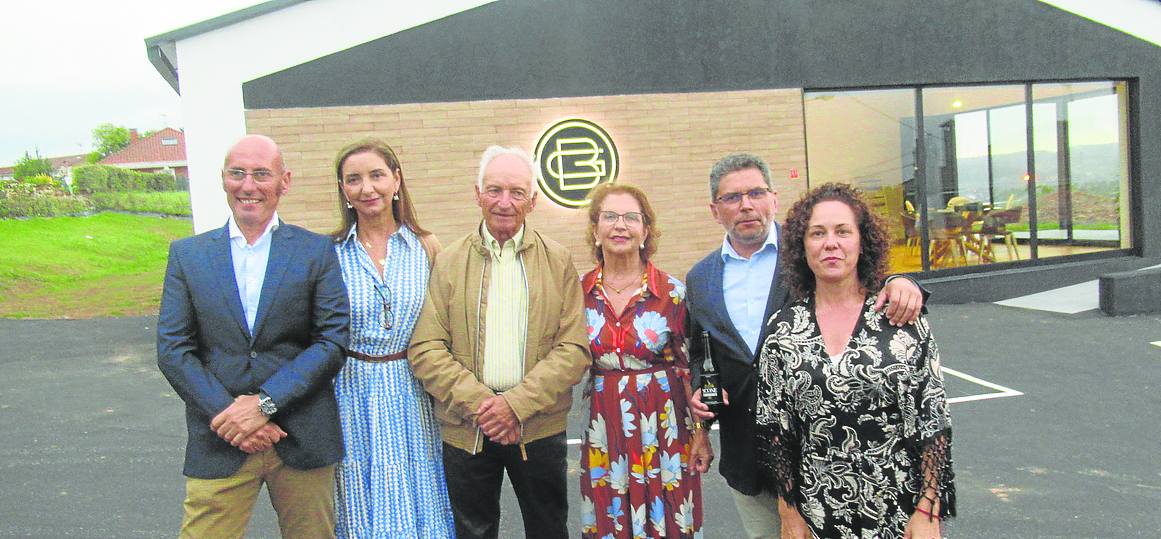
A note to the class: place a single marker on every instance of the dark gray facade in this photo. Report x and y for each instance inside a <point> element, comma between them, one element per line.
<point>515,49</point>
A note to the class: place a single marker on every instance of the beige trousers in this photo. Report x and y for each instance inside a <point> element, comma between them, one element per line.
<point>221,508</point>
<point>759,515</point>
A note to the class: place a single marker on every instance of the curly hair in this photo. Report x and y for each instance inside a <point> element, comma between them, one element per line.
<point>598,195</point>
<point>873,239</point>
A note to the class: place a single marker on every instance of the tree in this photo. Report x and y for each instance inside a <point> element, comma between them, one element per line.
<point>107,139</point>
<point>29,166</point>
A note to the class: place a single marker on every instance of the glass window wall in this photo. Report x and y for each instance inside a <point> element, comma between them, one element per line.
<point>968,192</point>
<point>867,139</point>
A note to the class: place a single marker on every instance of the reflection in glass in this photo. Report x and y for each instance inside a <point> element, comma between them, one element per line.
<point>976,184</point>
<point>976,164</point>
<point>1079,199</point>
<point>867,139</point>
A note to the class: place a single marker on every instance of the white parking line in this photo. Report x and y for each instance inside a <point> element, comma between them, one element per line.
<point>1001,391</point>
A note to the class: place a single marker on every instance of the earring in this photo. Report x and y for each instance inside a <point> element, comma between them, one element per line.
<point>642,246</point>
<point>349,206</point>
<point>396,197</point>
<point>597,243</point>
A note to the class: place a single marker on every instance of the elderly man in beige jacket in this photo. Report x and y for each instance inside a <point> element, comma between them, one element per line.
<point>499,344</point>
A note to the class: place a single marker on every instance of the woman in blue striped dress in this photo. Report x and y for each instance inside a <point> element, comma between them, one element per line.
<point>390,482</point>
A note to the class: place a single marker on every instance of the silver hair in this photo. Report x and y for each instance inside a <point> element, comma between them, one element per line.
<point>733,163</point>
<point>495,151</point>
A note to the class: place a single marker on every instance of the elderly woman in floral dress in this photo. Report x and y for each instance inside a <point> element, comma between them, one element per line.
<point>642,453</point>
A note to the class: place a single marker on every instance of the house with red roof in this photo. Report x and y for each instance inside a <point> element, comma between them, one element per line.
<point>160,152</point>
<point>61,166</point>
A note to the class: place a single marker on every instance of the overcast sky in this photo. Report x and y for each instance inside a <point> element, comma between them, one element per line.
<point>69,66</point>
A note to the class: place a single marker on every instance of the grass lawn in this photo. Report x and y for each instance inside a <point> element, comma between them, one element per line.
<point>106,264</point>
<point>1053,225</point>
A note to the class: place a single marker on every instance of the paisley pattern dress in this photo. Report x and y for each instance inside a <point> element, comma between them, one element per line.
<point>635,474</point>
<point>853,440</point>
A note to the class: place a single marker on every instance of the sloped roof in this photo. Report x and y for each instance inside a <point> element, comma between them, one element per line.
<point>163,56</point>
<point>151,149</point>
<point>68,160</point>
<point>64,161</point>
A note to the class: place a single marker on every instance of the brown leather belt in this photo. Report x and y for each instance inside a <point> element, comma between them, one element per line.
<point>377,359</point>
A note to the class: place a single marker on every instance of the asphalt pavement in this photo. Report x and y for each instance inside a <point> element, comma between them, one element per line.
<point>91,435</point>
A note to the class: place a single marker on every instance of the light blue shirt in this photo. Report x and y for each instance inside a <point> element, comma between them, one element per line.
<point>250,266</point>
<point>746,286</point>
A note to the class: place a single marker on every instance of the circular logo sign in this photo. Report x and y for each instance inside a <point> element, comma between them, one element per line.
<point>573,157</point>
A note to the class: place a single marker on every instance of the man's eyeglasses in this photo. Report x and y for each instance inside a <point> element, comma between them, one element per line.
<point>631,217</point>
<point>736,198</point>
<point>494,193</point>
<point>261,175</point>
<point>388,315</point>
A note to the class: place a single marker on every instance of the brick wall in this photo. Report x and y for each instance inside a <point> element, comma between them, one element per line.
<point>667,144</point>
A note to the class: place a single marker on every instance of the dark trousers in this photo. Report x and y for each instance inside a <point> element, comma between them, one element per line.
<point>473,484</point>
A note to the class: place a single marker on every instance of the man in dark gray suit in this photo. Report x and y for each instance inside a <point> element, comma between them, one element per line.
<point>252,329</point>
<point>730,294</point>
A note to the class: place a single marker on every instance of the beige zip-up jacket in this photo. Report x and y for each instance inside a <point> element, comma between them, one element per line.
<point>447,346</point>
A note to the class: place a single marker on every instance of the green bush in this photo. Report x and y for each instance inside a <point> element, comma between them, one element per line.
<point>160,181</point>
<point>91,178</point>
<point>42,182</point>
<point>29,166</point>
<point>26,200</point>
<point>123,179</point>
<point>164,203</point>
<point>105,178</point>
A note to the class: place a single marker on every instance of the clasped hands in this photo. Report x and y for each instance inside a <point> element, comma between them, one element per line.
<point>244,425</point>
<point>498,421</point>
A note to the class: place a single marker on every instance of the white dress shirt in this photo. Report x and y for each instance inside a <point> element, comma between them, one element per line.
<point>250,266</point>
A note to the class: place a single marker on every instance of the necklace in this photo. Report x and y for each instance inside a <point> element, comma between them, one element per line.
<point>382,261</point>
<point>623,288</point>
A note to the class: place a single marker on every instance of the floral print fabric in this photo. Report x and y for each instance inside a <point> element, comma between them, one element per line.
<point>635,474</point>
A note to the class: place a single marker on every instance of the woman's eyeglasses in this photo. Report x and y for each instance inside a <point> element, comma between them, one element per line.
<point>631,218</point>
<point>388,315</point>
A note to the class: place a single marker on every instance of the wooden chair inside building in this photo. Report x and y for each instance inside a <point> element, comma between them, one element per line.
<point>910,233</point>
<point>973,213</point>
<point>946,232</point>
<point>957,202</point>
<point>995,227</point>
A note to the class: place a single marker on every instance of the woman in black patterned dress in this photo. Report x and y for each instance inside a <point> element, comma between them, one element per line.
<point>854,435</point>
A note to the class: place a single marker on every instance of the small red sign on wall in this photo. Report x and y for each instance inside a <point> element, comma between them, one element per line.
<point>794,174</point>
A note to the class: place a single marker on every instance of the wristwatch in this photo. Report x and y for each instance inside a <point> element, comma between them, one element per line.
<point>266,404</point>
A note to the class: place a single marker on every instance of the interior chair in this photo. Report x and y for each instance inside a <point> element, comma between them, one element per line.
<point>995,226</point>
<point>958,201</point>
<point>910,234</point>
<point>972,212</point>
<point>946,231</point>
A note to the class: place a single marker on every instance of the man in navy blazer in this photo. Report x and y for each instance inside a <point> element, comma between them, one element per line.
<point>730,294</point>
<point>252,330</point>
